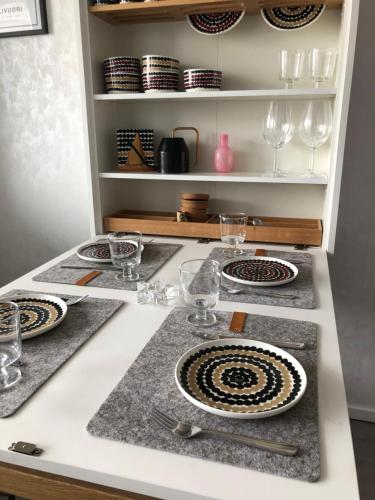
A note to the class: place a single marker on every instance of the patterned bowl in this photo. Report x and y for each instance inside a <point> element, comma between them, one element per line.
<point>202,79</point>
<point>160,82</point>
<point>152,64</point>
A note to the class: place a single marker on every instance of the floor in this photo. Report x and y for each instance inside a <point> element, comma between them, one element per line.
<point>364,448</point>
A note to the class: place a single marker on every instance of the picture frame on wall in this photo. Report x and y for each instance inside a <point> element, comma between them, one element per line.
<point>23,17</point>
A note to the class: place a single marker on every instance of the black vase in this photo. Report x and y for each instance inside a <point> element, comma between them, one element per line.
<point>173,156</point>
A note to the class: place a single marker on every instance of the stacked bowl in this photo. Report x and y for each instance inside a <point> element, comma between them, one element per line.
<point>196,80</point>
<point>194,206</point>
<point>122,74</point>
<point>159,74</point>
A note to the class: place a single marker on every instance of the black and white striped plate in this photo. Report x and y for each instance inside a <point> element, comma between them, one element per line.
<point>292,18</point>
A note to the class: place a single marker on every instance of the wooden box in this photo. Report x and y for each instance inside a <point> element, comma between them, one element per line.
<point>273,230</point>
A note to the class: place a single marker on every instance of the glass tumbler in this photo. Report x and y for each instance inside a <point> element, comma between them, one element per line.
<point>10,344</point>
<point>126,252</point>
<point>233,231</point>
<point>291,65</point>
<point>200,282</point>
<point>322,64</point>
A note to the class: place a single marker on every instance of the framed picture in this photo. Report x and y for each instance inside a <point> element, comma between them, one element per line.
<point>23,17</point>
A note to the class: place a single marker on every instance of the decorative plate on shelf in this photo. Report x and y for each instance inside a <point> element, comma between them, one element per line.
<point>259,271</point>
<point>39,313</point>
<point>215,23</point>
<point>292,18</point>
<point>240,378</point>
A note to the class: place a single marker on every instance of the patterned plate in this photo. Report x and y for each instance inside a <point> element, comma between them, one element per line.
<point>100,252</point>
<point>215,23</point>
<point>259,271</point>
<point>39,313</point>
<point>292,18</point>
<point>242,379</point>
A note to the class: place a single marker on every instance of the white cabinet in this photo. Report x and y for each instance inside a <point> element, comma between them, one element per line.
<point>248,57</point>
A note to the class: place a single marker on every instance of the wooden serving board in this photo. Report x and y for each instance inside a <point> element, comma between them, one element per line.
<point>274,229</point>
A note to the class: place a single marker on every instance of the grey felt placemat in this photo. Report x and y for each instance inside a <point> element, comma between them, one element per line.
<point>125,415</point>
<point>302,287</point>
<point>154,256</point>
<point>42,356</point>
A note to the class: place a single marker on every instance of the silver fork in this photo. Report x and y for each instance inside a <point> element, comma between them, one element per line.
<point>185,430</point>
<point>235,291</point>
<point>72,302</point>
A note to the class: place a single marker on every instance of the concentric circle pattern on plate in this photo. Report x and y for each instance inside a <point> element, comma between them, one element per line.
<point>100,252</point>
<point>245,379</point>
<point>291,18</point>
<point>258,270</point>
<point>215,23</point>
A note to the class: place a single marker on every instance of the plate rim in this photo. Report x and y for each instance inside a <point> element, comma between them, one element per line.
<point>92,259</point>
<point>51,298</point>
<point>233,341</point>
<point>243,12</point>
<point>259,283</point>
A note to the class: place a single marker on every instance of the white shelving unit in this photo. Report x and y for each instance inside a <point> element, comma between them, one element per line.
<point>248,57</point>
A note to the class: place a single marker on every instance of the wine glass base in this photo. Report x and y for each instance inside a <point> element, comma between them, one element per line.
<point>195,320</point>
<point>10,376</point>
<point>275,174</point>
<point>230,253</point>
<point>130,278</point>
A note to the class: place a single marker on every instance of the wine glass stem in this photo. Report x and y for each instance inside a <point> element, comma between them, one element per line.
<point>126,271</point>
<point>312,163</point>
<point>201,314</point>
<point>275,162</point>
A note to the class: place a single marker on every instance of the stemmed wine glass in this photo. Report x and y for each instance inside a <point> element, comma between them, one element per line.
<point>322,65</point>
<point>233,230</point>
<point>291,65</point>
<point>315,127</point>
<point>10,344</point>
<point>200,282</point>
<point>126,251</point>
<point>278,130</point>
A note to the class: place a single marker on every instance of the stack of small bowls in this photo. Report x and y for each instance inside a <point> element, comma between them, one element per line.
<point>196,80</point>
<point>122,74</point>
<point>159,74</point>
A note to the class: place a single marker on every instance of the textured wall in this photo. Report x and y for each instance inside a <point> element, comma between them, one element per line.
<point>43,186</point>
<point>351,267</point>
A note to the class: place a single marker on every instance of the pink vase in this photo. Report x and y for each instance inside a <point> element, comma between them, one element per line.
<point>224,158</point>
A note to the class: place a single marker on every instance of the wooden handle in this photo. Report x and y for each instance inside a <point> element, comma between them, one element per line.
<point>238,322</point>
<point>86,279</point>
<point>260,252</point>
<point>196,143</point>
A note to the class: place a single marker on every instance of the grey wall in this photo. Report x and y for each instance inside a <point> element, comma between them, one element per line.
<point>43,186</point>
<point>352,266</point>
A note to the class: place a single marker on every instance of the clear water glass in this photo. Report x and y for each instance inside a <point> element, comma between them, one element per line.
<point>322,64</point>
<point>233,231</point>
<point>315,128</point>
<point>291,66</point>
<point>10,344</point>
<point>278,130</point>
<point>200,282</point>
<point>126,253</point>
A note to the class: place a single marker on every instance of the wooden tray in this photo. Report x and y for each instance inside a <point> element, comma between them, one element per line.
<point>273,230</point>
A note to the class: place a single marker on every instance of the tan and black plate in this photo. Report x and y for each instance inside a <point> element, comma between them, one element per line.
<point>39,313</point>
<point>240,378</point>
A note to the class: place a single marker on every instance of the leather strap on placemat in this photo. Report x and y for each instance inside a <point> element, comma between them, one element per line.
<point>86,279</point>
<point>260,252</point>
<point>238,322</point>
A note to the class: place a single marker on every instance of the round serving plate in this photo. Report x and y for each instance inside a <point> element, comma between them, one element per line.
<point>240,378</point>
<point>292,18</point>
<point>259,271</point>
<point>215,23</point>
<point>100,252</point>
<point>39,313</point>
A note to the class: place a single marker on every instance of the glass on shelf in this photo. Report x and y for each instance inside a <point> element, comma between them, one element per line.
<point>321,67</point>
<point>291,66</point>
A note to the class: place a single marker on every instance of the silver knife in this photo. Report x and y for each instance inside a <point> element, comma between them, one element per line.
<point>277,343</point>
<point>88,267</point>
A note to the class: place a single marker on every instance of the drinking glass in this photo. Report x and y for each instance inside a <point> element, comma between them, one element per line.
<point>315,128</point>
<point>10,344</point>
<point>126,251</point>
<point>322,65</point>
<point>200,282</point>
<point>233,231</point>
<point>291,65</point>
<point>278,130</point>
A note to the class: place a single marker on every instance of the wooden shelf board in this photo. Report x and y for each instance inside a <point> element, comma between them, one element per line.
<point>257,177</point>
<point>224,95</point>
<point>176,10</point>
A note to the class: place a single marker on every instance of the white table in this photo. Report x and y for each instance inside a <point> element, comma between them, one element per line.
<point>55,418</point>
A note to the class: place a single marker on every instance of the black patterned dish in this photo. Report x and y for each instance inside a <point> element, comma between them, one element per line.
<point>39,313</point>
<point>259,271</point>
<point>292,18</point>
<point>243,379</point>
<point>95,252</point>
<point>215,23</point>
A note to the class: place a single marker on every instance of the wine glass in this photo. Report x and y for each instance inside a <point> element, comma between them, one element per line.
<point>278,130</point>
<point>233,230</point>
<point>200,282</point>
<point>315,127</point>
<point>291,65</point>
<point>10,344</point>
<point>322,65</point>
<point>126,250</point>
